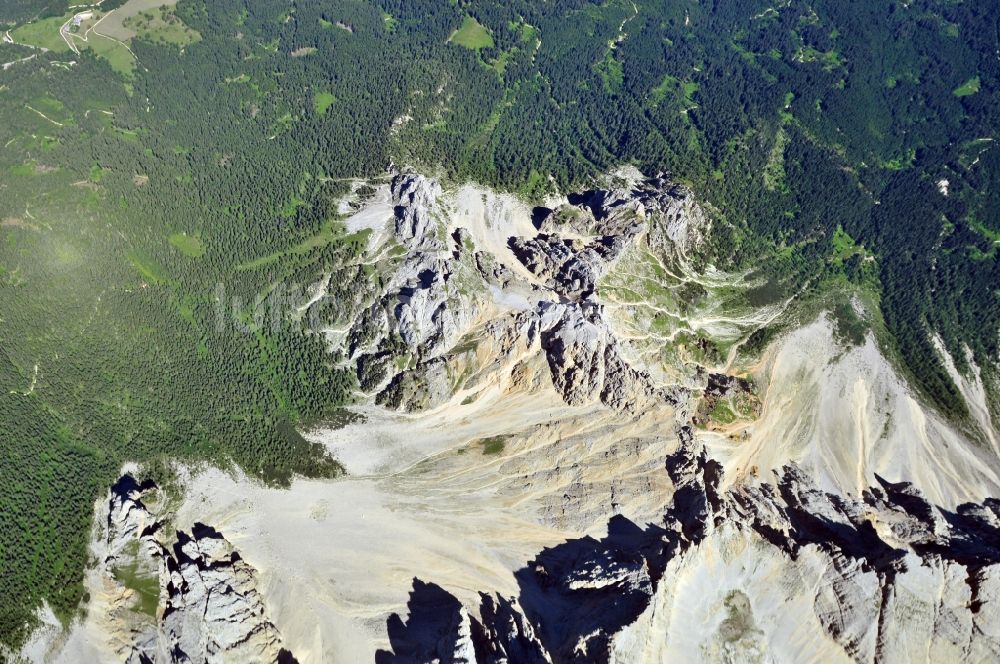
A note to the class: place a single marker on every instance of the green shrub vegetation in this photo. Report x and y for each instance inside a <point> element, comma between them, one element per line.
<point>494,445</point>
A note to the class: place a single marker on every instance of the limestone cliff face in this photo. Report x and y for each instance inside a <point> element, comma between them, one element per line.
<point>202,596</point>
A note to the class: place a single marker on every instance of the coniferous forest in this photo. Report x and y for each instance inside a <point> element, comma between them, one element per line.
<point>140,195</point>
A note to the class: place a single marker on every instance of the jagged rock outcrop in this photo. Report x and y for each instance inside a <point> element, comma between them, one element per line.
<point>683,225</point>
<point>586,365</point>
<point>423,307</point>
<point>213,612</point>
<point>413,198</point>
<point>428,385</point>
<point>128,519</point>
<point>579,346</point>
<point>898,577</point>
<point>208,608</point>
<point>571,266</point>
<point>574,345</point>
<point>431,314</point>
<point>130,545</point>
<point>404,342</point>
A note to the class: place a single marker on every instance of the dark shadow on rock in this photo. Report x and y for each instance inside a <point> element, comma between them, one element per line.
<point>588,589</point>
<point>202,531</point>
<point>538,215</point>
<point>285,657</point>
<point>505,634</point>
<point>429,631</point>
<point>582,198</point>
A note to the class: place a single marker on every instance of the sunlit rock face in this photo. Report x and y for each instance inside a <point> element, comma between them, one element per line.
<point>173,596</point>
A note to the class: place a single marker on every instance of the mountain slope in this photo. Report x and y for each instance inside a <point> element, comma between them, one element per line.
<point>515,444</point>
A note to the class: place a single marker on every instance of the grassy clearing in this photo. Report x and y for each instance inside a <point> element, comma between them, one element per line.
<point>117,55</point>
<point>844,246</point>
<point>160,24</point>
<point>323,100</point>
<point>472,35</point>
<point>500,64</point>
<point>327,234</point>
<point>44,33</point>
<point>147,267</point>
<point>610,71</point>
<point>22,170</point>
<point>970,87</point>
<point>722,413</point>
<point>529,33</point>
<point>671,86</point>
<point>189,245</point>
<point>829,59</point>
<point>390,21</point>
<point>990,234</point>
<point>774,170</point>
<point>535,187</point>
<point>902,162</point>
<point>114,25</point>
<point>290,208</point>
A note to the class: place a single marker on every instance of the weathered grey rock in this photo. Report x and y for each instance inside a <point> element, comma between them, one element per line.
<point>426,386</point>
<point>631,391</point>
<point>680,223</point>
<point>574,347</point>
<point>413,198</point>
<point>131,545</point>
<point>586,365</point>
<point>213,611</point>
<point>128,518</point>
<point>571,267</point>
<point>494,272</point>
<point>209,609</point>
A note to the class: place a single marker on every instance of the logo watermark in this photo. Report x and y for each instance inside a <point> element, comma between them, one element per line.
<point>312,305</point>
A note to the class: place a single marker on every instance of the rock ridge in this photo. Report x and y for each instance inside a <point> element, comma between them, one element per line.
<point>205,606</point>
<point>578,598</point>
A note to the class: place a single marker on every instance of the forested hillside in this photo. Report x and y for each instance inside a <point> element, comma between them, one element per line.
<point>839,144</point>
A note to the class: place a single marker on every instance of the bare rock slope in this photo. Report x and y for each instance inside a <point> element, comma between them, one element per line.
<point>887,578</point>
<point>550,466</point>
<point>884,576</point>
